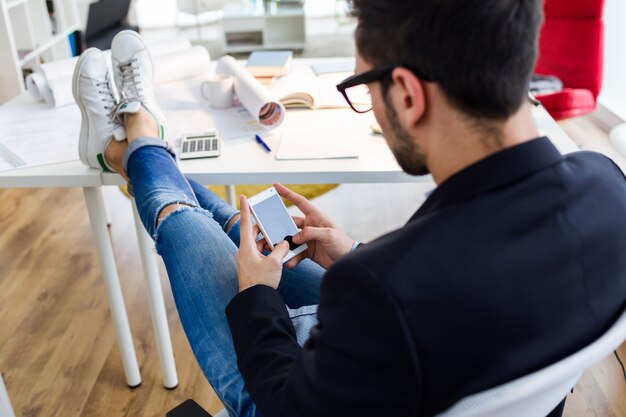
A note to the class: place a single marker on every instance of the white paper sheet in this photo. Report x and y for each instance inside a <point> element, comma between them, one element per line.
<point>38,135</point>
<point>251,93</point>
<point>187,111</point>
<point>330,134</point>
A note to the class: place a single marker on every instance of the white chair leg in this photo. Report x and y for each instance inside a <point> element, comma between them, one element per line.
<point>618,138</point>
<point>5,404</point>
<point>231,197</point>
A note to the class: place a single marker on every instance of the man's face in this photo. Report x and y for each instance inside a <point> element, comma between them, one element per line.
<point>404,147</point>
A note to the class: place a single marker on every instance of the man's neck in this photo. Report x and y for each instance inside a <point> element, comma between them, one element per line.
<point>460,145</point>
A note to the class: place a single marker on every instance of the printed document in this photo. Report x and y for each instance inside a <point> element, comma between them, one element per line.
<point>36,135</point>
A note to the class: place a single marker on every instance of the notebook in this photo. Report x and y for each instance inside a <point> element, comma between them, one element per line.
<point>267,64</point>
<point>338,135</point>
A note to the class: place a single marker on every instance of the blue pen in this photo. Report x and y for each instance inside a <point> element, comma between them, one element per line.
<point>262,143</point>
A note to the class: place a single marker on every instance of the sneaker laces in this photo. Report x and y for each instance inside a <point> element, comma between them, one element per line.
<point>116,113</point>
<point>106,95</point>
<point>131,88</point>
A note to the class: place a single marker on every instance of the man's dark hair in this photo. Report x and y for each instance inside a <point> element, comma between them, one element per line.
<point>480,52</point>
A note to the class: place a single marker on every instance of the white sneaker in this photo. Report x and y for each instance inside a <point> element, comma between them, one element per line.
<point>92,90</point>
<point>134,74</point>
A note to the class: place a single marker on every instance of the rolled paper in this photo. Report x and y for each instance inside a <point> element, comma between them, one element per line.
<point>58,93</point>
<point>173,60</point>
<point>265,108</point>
<point>35,83</point>
<point>168,46</point>
<point>179,65</point>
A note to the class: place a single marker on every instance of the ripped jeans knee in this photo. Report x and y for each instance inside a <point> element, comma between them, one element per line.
<point>183,227</point>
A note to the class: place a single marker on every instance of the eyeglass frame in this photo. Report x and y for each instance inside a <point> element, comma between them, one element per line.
<point>377,74</point>
<point>373,75</point>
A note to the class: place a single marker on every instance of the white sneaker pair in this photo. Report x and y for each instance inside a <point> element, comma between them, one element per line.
<point>102,110</point>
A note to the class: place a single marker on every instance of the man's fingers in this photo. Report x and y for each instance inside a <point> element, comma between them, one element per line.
<point>293,262</point>
<point>280,251</point>
<point>247,236</point>
<point>310,233</point>
<point>296,199</point>
<point>299,221</point>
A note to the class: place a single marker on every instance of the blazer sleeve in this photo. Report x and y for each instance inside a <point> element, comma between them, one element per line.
<point>358,361</point>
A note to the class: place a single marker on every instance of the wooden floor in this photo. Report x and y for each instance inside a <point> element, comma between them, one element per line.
<point>58,352</point>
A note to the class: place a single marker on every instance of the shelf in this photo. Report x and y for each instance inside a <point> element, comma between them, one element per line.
<point>285,45</point>
<point>14,3</point>
<point>256,47</point>
<point>47,45</point>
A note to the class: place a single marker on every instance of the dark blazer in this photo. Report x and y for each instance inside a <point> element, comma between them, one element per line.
<point>510,265</point>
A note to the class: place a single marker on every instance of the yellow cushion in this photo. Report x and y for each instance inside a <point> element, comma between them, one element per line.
<point>309,191</point>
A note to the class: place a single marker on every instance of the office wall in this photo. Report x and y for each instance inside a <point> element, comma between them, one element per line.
<point>613,95</point>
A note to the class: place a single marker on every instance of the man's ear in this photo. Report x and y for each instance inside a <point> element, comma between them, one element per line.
<point>410,99</point>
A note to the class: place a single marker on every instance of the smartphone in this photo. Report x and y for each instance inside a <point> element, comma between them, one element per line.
<point>189,408</point>
<point>276,224</point>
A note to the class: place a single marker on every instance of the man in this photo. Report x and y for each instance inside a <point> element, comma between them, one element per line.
<point>515,261</point>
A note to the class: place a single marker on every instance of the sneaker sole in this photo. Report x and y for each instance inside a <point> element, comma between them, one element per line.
<point>155,113</point>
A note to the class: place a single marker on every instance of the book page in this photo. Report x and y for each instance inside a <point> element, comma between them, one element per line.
<point>322,89</point>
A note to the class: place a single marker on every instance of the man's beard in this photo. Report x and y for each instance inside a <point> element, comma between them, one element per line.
<point>409,155</point>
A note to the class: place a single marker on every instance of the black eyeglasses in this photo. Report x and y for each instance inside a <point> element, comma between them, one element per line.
<point>355,91</point>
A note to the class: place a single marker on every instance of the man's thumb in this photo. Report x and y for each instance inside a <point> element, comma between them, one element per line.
<point>280,250</point>
<point>307,234</point>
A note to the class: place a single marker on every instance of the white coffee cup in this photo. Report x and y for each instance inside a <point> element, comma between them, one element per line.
<point>218,90</point>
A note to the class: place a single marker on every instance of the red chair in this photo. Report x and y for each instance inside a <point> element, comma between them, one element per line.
<point>571,46</point>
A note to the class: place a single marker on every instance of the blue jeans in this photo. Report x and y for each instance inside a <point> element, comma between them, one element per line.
<point>199,256</point>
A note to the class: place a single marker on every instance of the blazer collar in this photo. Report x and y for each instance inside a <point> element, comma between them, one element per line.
<point>494,171</point>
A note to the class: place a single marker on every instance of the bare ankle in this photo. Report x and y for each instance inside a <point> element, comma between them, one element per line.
<point>231,222</point>
<point>113,155</point>
<point>141,124</point>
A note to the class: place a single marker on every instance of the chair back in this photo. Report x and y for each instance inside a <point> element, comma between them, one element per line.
<point>537,394</point>
<point>104,15</point>
<point>571,43</point>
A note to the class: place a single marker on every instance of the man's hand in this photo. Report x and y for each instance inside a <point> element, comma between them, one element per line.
<point>252,266</point>
<point>326,243</point>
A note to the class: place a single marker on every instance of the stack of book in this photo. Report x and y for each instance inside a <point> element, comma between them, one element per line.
<point>267,65</point>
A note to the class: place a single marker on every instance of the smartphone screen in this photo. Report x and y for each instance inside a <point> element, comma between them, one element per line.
<point>275,219</point>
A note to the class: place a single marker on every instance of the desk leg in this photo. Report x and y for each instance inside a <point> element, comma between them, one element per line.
<point>5,403</point>
<point>157,305</point>
<point>231,198</point>
<point>97,216</point>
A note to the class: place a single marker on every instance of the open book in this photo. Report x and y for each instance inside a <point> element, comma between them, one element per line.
<point>303,89</point>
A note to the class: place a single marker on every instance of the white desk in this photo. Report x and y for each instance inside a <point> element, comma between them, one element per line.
<point>242,162</point>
